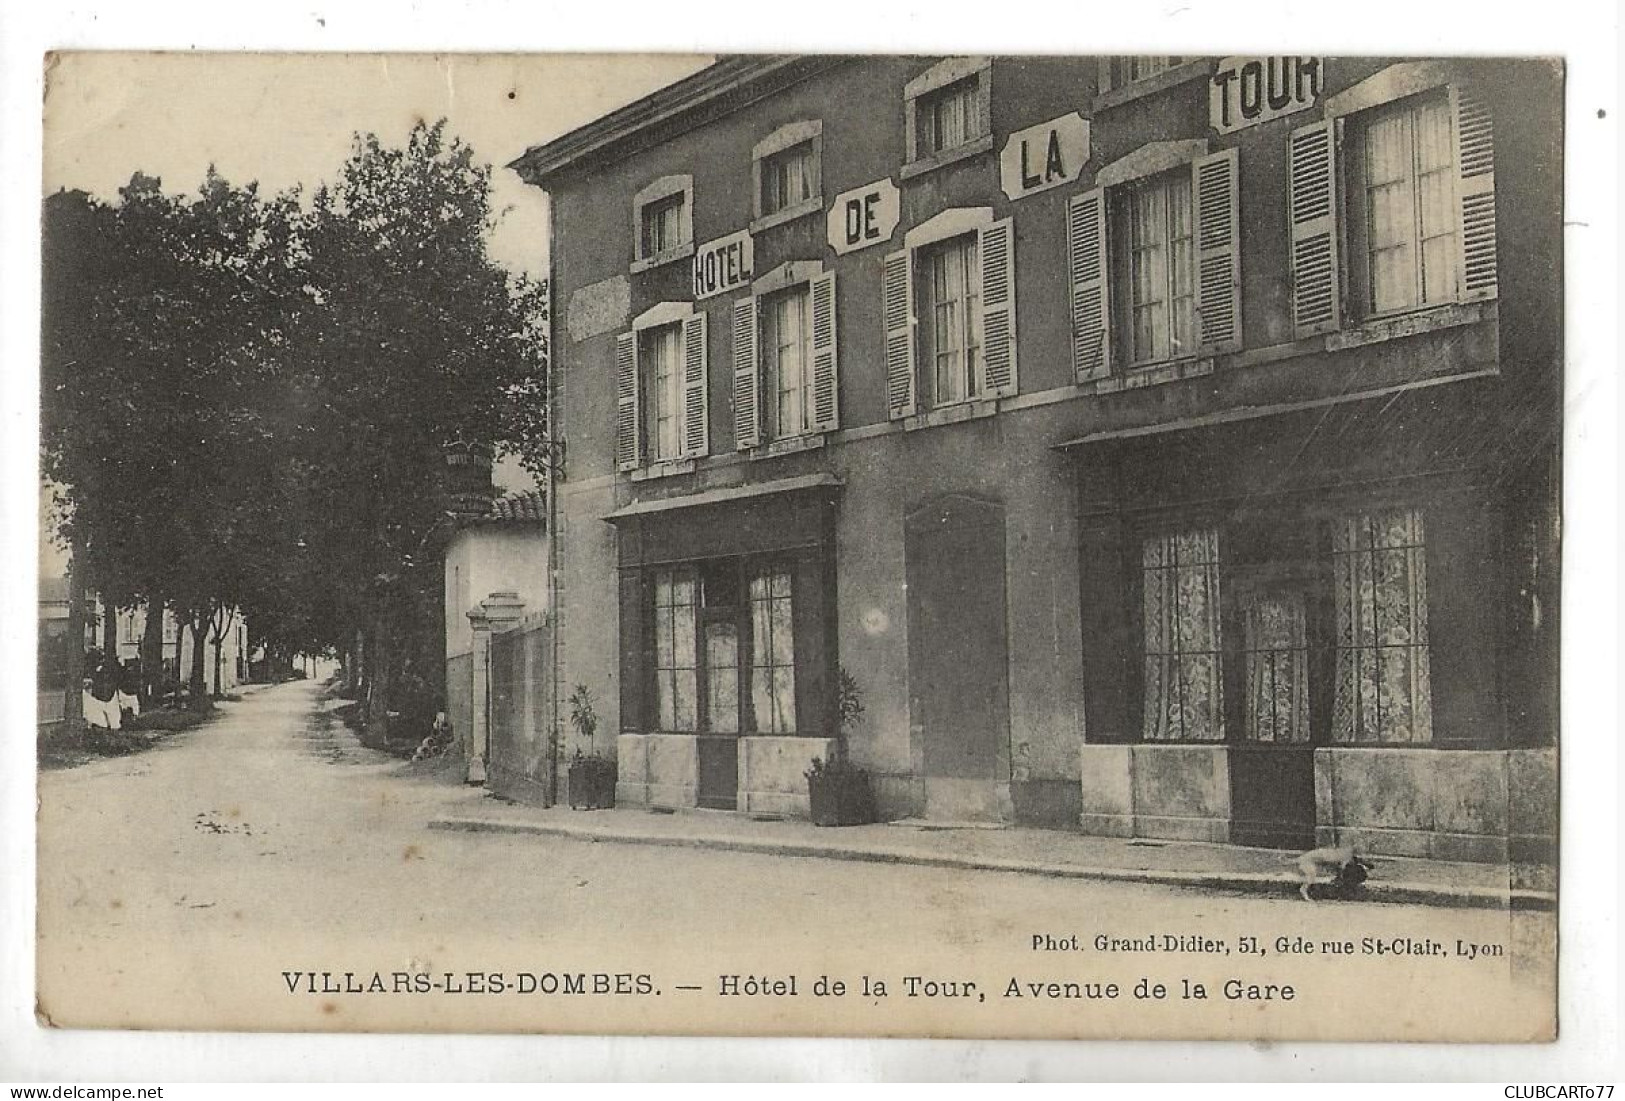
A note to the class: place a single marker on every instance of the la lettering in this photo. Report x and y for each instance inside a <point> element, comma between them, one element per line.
<point>1054,168</point>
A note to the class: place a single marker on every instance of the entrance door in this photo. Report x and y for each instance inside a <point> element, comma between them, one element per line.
<point>719,748</point>
<point>1272,764</point>
<point>958,658</point>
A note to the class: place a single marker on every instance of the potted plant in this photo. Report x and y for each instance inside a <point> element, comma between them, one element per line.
<point>592,778</point>
<point>838,792</point>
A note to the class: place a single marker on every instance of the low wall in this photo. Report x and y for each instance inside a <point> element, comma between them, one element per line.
<point>773,773</point>
<point>1493,806</point>
<point>460,701</point>
<point>658,770</point>
<point>519,763</point>
<point>1172,792</point>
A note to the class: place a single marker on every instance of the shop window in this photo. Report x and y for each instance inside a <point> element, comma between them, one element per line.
<point>724,653</point>
<point>662,388</point>
<point>1392,201</point>
<point>1383,690</point>
<point>948,302</point>
<point>1154,260</point>
<point>1184,698</point>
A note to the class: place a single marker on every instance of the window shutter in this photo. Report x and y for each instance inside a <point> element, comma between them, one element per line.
<point>747,388</point>
<point>825,365</point>
<point>628,438</point>
<point>1086,255</point>
<point>897,303</point>
<point>696,414</point>
<point>1216,184</point>
<point>1475,160</point>
<point>998,256</point>
<point>1312,208</point>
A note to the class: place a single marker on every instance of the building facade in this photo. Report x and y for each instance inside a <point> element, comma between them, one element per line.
<point>1166,447</point>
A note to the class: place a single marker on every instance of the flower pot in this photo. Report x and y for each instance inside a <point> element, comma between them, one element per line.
<point>840,797</point>
<point>592,783</point>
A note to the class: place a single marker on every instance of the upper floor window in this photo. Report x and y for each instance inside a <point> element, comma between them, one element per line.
<point>663,222</point>
<point>661,387</point>
<point>950,307</point>
<point>1158,268</point>
<point>661,352</point>
<point>1126,70</point>
<point>788,171</point>
<point>947,113</point>
<point>948,302</point>
<point>1403,221</point>
<point>1154,259</point>
<point>784,356</point>
<point>1391,200</point>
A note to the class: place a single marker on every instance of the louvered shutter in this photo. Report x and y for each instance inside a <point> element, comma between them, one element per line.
<point>826,413</point>
<point>1086,257</point>
<point>1312,215</point>
<point>998,256</point>
<point>696,411</point>
<point>1216,183</point>
<point>897,304</point>
<point>747,387</point>
<point>1475,161</point>
<point>628,440</point>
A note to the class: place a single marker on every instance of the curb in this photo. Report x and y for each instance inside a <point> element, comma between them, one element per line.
<point>1253,882</point>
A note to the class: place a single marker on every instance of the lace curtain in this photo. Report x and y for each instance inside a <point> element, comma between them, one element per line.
<point>1184,698</point>
<point>1383,691</point>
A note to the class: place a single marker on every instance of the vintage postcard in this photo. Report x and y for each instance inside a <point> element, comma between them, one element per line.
<point>936,546</point>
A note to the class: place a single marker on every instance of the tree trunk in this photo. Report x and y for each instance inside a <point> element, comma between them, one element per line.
<point>152,652</point>
<point>109,633</point>
<point>197,683</point>
<point>376,700</point>
<point>74,701</point>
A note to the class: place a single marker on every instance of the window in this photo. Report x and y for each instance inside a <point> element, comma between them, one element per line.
<point>948,303</point>
<point>773,665</point>
<point>1383,688</point>
<point>946,113</point>
<point>950,311</point>
<point>1391,200</point>
<point>676,670</point>
<point>787,353</point>
<point>662,388</point>
<point>662,225</point>
<point>1404,208</point>
<point>950,117</point>
<point>784,356</point>
<point>1126,70</point>
<point>724,664</point>
<point>1154,259</point>
<point>1184,698</point>
<point>789,178</point>
<point>1157,263</point>
<point>662,353</point>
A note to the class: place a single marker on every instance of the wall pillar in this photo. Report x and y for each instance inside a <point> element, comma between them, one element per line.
<point>497,612</point>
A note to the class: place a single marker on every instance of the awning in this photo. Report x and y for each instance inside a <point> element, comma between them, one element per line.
<point>728,495</point>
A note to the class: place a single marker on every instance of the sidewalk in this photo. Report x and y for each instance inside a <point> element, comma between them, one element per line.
<point>1010,849</point>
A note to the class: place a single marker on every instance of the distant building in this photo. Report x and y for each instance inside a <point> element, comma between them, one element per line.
<point>1168,446</point>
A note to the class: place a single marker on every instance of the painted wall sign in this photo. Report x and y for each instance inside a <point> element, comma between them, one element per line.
<point>864,216</point>
<point>723,264</point>
<point>1044,156</point>
<point>1249,90</point>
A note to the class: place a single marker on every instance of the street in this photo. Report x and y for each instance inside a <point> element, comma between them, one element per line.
<point>265,871</point>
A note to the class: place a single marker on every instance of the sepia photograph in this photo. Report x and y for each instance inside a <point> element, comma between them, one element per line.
<point>1033,546</point>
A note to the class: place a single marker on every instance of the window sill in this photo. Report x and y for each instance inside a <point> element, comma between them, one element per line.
<point>794,213</point>
<point>1155,374</point>
<point>1395,326</point>
<point>810,441</point>
<point>669,469</point>
<point>976,409</point>
<point>934,161</point>
<point>1151,85</point>
<point>645,263</point>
